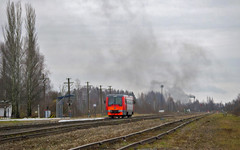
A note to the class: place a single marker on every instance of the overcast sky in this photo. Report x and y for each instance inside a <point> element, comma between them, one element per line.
<point>139,45</point>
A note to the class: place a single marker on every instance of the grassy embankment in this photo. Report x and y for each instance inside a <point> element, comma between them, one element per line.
<point>216,131</point>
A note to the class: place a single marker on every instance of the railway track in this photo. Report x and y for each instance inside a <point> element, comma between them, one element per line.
<point>30,131</point>
<point>141,137</point>
<point>40,125</point>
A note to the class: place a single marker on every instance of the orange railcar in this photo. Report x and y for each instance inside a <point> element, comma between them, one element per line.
<point>119,105</point>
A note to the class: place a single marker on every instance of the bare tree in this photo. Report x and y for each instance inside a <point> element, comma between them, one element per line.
<point>3,77</point>
<point>33,62</point>
<point>12,54</point>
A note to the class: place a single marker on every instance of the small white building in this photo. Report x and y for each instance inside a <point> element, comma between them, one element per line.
<point>161,111</point>
<point>7,107</point>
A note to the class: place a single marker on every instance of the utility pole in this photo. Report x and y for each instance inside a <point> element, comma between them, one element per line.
<point>88,99</point>
<point>154,103</point>
<point>69,96</point>
<point>101,99</point>
<point>110,89</point>
<point>162,93</point>
<point>44,91</point>
<point>38,111</point>
<point>5,104</point>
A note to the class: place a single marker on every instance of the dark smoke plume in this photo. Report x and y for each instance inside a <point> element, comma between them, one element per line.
<point>140,61</point>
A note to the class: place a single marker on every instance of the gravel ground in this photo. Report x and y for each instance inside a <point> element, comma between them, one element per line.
<point>80,137</point>
<point>26,122</point>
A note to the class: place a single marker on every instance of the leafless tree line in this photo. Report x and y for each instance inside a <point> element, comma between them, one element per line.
<point>22,65</point>
<point>154,102</point>
<point>233,106</point>
<point>150,102</point>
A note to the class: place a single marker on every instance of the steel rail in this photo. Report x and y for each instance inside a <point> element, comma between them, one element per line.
<point>154,138</point>
<point>63,123</point>
<point>67,128</point>
<point>99,143</point>
<point>72,125</point>
<point>37,125</point>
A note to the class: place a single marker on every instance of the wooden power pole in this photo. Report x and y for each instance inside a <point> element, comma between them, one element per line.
<point>88,99</point>
<point>44,91</point>
<point>69,96</point>
<point>101,99</point>
<point>110,89</point>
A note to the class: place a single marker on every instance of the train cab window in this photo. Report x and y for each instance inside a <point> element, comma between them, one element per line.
<point>114,100</point>
<point>118,101</point>
<point>110,101</point>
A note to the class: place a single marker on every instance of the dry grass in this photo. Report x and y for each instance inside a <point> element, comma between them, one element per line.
<point>213,132</point>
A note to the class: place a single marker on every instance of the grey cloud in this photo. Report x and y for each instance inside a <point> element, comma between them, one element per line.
<point>128,44</point>
<point>211,89</point>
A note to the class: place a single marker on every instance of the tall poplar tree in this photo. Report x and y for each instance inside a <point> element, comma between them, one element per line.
<point>12,54</point>
<point>33,60</point>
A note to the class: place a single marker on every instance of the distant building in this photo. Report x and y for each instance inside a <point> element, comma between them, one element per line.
<point>5,107</point>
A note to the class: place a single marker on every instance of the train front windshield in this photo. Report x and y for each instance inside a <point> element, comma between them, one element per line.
<point>115,100</point>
